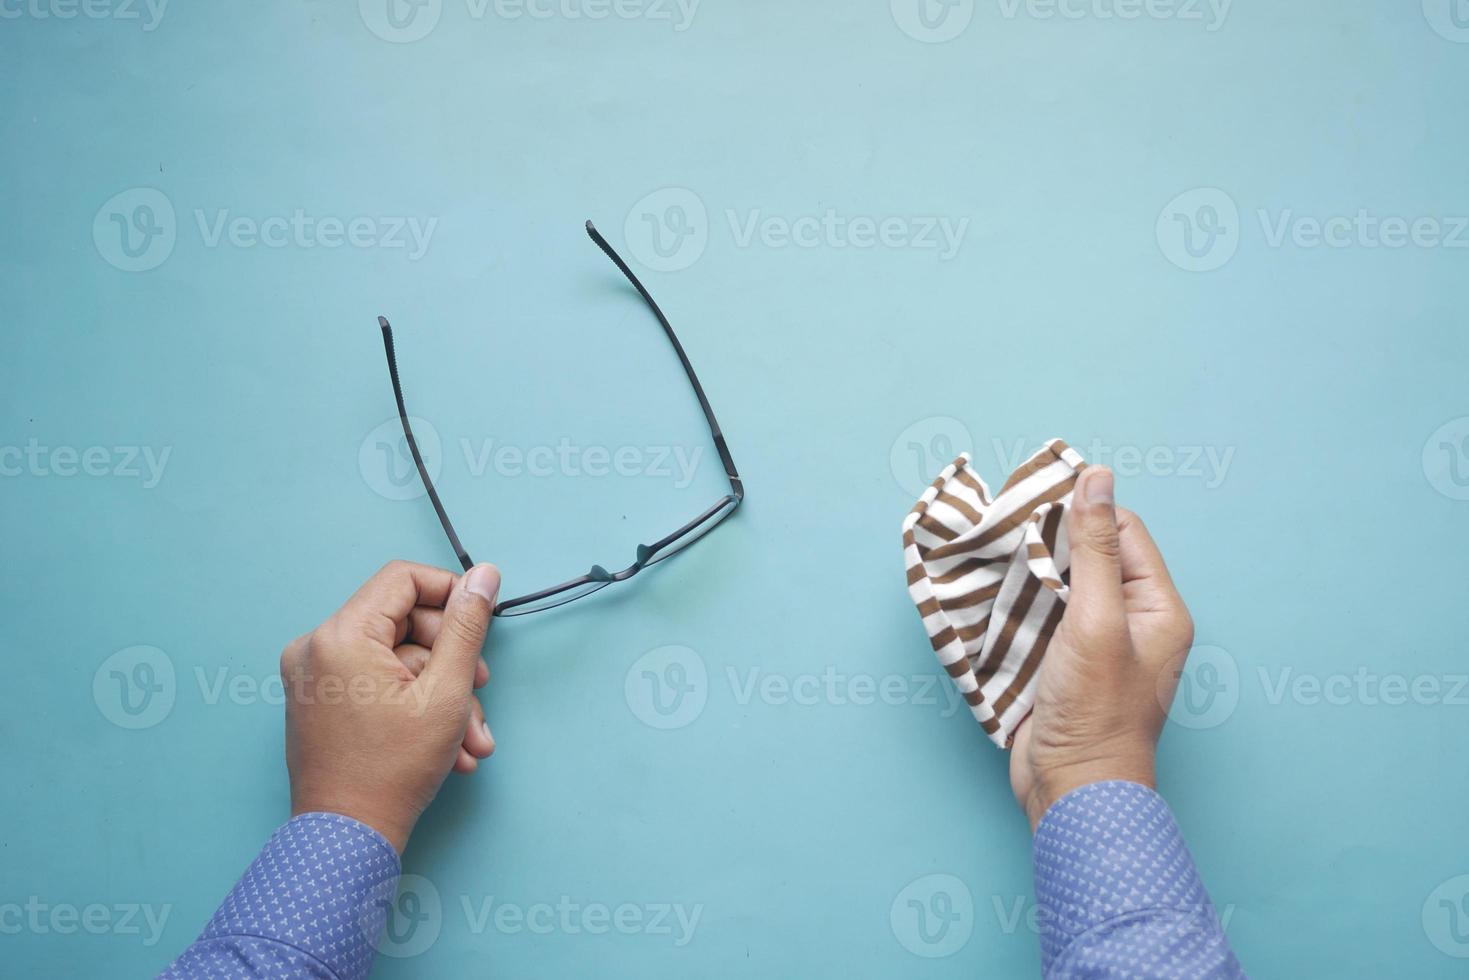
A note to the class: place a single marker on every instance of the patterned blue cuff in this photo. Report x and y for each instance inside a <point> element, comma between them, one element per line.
<point>312,904</point>
<point>1117,891</point>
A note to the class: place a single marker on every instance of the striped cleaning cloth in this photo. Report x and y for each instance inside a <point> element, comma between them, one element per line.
<point>990,578</point>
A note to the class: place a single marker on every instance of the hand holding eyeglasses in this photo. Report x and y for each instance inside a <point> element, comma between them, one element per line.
<point>597,578</point>
<point>380,701</point>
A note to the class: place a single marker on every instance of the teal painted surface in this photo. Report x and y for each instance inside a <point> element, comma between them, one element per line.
<point>1128,208</point>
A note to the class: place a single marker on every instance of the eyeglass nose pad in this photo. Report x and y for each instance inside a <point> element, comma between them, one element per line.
<point>599,574</point>
<point>644,553</point>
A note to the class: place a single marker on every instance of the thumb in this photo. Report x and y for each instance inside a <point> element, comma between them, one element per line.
<point>467,616</point>
<point>1096,553</point>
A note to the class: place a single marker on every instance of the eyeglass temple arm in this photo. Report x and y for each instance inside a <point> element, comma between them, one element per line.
<point>719,444</point>
<point>428,484</point>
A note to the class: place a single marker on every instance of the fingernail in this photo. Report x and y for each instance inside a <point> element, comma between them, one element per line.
<point>483,581</point>
<point>486,726</point>
<point>1099,486</point>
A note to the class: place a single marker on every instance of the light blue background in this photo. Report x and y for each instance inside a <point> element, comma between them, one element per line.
<point>1327,549</point>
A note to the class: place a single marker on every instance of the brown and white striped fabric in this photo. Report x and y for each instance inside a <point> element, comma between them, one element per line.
<point>990,578</point>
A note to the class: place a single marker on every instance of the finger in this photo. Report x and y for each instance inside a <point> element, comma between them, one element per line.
<point>478,741</point>
<point>421,626</point>
<point>1158,619</point>
<point>292,655</point>
<point>1146,582</point>
<point>456,652</point>
<point>386,599</point>
<point>1096,559</point>
<point>464,763</point>
<point>413,656</point>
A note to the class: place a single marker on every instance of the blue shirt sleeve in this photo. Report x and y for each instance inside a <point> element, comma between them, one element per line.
<point>1117,891</point>
<point>313,904</point>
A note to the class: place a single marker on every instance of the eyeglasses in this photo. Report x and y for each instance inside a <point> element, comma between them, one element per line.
<point>597,578</point>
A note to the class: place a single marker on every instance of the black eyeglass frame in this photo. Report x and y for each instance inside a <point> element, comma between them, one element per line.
<point>647,554</point>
